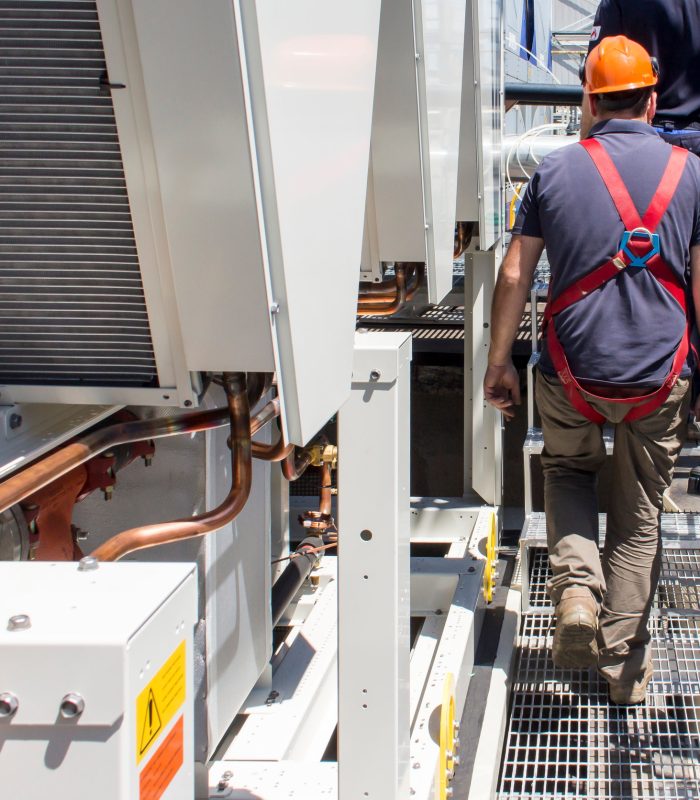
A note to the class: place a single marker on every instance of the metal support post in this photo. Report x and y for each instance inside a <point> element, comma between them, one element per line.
<point>486,422</point>
<point>374,572</point>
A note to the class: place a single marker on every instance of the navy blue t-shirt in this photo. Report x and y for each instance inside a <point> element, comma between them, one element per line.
<point>669,30</point>
<point>626,332</point>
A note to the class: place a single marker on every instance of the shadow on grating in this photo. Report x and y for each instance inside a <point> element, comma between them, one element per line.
<point>565,740</point>
<point>679,583</point>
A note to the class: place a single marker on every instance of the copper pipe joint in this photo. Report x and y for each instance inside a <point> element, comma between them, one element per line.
<point>241,467</point>
<point>385,292</point>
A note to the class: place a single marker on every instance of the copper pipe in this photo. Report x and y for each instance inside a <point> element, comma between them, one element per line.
<point>463,237</point>
<point>272,452</point>
<point>241,469</point>
<point>296,464</point>
<point>386,291</point>
<point>399,301</point>
<point>53,466</point>
<point>325,504</point>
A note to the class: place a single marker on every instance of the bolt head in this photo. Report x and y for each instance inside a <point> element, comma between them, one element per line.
<point>88,564</point>
<point>375,375</point>
<point>72,705</point>
<point>15,421</point>
<point>8,705</point>
<point>19,622</point>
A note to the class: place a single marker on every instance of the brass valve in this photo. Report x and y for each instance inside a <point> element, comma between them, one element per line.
<point>324,454</point>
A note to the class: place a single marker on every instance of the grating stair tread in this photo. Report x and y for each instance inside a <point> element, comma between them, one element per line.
<point>676,529</point>
<point>679,582</point>
<point>565,740</point>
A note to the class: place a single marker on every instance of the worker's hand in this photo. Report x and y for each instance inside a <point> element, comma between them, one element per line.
<point>502,388</point>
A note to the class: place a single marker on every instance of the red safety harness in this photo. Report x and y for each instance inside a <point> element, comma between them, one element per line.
<point>639,248</point>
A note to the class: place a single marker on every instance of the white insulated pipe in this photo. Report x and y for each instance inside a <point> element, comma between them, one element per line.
<point>525,153</point>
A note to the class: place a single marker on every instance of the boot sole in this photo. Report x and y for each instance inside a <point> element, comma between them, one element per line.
<point>575,645</point>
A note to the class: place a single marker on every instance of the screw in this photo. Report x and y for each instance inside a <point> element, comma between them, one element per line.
<point>148,460</point>
<point>224,779</point>
<point>88,563</point>
<point>108,491</point>
<point>19,622</point>
<point>15,421</point>
<point>375,375</point>
<point>8,704</point>
<point>272,697</point>
<point>72,705</point>
<point>274,308</point>
<point>471,569</point>
<point>416,765</point>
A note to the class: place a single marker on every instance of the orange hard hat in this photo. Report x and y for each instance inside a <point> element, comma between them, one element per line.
<point>618,64</point>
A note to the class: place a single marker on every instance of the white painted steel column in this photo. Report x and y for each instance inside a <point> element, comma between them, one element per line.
<point>374,572</point>
<point>486,421</point>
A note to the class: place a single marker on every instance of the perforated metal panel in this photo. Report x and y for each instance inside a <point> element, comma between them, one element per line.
<point>72,308</point>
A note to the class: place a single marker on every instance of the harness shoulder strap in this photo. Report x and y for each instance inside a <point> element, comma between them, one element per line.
<point>613,183</point>
<point>667,188</point>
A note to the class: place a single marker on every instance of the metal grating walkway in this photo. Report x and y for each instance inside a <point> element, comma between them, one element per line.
<point>564,739</point>
<point>679,583</point>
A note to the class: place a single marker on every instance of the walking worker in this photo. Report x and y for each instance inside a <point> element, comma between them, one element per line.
<point>619,214</point>
<point>669,30</point>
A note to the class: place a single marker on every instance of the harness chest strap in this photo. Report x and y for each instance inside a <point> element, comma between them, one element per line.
<point>642,406</point>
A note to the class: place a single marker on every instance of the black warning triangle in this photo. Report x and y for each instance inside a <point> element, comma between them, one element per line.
<point>151,723</point>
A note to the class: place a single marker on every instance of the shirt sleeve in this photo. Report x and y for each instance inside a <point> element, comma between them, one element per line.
<point>608,22</point>
<point>527,221</point>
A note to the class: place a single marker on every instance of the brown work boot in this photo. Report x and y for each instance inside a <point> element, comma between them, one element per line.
<point>630,693</point>
<point>576,615</point>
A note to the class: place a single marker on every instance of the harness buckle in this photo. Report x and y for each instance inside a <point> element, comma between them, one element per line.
<point>634,236</point>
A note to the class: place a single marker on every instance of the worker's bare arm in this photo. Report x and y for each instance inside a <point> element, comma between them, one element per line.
<point>501,382</point>
<point>695,284</point>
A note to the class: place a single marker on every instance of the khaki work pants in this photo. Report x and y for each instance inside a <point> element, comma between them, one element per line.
<point>623,580</point>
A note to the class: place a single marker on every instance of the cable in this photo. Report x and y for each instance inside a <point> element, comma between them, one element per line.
<point>306,550</point>
<point>537,58</point>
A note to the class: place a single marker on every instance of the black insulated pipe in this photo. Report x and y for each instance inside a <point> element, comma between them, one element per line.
<point>294,575</point>
<point>543,94</point>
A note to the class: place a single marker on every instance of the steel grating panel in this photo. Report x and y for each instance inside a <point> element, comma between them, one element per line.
<point>678,530</point>
<point>679,582</point>
<point>565,740</point>
<point>72,306</point>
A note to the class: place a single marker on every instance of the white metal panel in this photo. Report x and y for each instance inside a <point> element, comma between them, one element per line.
<point>30,430</point>
<point>440,28</point>
<point>397,171</point>
<point>193,86</point>
<point>311,68</point>
<point>374,572</point>
<point>487,27</point>
<point>102,634</point>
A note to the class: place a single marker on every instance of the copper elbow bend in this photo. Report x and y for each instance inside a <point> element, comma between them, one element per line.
<point>241,467</point>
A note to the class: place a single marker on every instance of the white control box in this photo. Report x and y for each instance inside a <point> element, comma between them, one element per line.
<point>96,681</point>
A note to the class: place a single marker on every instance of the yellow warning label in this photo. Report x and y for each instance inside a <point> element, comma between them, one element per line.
<point>159,701</point>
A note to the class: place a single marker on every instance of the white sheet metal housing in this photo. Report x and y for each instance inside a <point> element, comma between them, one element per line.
<point>415,135</point>
<point>481,158</point>
<point>104,635</point>
<point>244,131</point>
